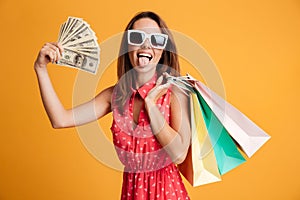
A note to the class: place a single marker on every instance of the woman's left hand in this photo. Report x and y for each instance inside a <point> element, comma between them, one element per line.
<point>159,90</point>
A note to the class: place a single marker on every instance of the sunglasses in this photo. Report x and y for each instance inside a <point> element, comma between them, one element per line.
<point>157,40</point>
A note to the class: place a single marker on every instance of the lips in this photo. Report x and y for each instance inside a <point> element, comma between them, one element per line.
<point>144,58</point>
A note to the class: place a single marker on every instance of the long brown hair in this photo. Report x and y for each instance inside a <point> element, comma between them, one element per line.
<point>167,63</point>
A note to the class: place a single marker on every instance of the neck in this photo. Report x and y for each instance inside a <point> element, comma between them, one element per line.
<point>142,78</point>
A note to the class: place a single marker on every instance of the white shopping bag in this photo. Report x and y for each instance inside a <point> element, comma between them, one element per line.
<point>246,133</point>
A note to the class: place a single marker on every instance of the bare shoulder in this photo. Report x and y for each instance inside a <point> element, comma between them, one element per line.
<point>109,90</point>
<point>178,95</point>
<point>105,94</point>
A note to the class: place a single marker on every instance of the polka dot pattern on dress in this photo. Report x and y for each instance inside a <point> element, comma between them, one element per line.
<point>149,172</point>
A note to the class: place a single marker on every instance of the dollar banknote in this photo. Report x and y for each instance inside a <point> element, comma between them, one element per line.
<point>81,49</point>
<point>79,61</point>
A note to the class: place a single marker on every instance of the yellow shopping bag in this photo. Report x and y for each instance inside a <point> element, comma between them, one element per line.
<point>200,166</point>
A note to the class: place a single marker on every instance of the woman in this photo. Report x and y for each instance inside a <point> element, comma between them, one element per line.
<point>150,119</point>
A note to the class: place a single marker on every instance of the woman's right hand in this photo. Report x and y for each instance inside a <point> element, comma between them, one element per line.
<point>50,52</point>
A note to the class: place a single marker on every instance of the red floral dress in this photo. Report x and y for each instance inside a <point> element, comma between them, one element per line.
<point>149,172</point>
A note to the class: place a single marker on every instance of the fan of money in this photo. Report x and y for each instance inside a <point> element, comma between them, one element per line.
<point>81,49</point>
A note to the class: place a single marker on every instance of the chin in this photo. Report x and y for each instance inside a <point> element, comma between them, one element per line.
<point>150,68</point>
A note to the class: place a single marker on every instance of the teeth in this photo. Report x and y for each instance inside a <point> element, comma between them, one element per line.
<point>145,55</point>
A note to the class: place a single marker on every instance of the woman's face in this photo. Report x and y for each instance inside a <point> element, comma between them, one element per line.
<point>145,58</point>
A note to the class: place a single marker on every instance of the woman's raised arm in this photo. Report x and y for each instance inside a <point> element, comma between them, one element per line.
<point>176,137</point>
<point>57,114</point>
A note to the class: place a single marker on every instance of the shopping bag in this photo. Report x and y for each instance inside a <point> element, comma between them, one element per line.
<point>226,152</point>
<point>200,166</point>
<point>246,133</point>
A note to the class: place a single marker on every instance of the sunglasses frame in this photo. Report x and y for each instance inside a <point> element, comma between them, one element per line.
<point>147,36</point>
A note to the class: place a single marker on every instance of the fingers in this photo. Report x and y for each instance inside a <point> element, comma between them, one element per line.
<point>162,79</point>
<point>162,89</point>
<point>59,47</point>
<point>57,51</point>
<point>53,51</point>
<point>50,52</point>
<point>159,90</point>
<point>166,75</point>
<point>159,80</point>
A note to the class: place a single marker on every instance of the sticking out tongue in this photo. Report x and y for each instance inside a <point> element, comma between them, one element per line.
<point>143,61</point>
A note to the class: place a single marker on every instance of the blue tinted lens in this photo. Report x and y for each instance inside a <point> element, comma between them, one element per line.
<point>158,40</point>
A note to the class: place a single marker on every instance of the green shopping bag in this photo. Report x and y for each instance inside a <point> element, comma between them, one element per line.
<point>226,152</point>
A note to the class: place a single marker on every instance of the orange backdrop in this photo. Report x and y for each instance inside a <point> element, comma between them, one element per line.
<point>254,44</point>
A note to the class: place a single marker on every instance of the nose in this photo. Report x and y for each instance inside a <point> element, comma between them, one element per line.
<point>146,44</point>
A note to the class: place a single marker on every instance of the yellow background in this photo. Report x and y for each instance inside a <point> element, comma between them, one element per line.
<point>255,45</point>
